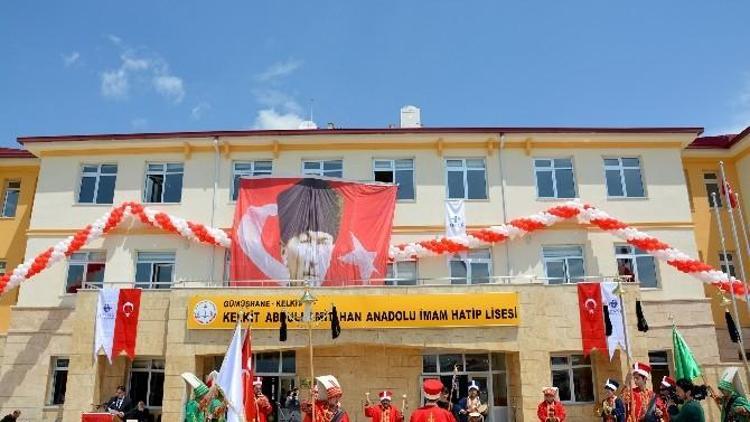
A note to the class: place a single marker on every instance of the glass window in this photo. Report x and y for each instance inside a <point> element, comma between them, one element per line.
<point>637,265</point>
<point>85,270</point>
<point>10,198</point>
<point>563,264</point>
<point>147,381</point>
<point>573,376</point>
<point>97,184</point>
<point>623,177</point>
<point>288,362</point>
<point>554,178</point>
<point>477,362</point>
<point>486,369</point>
<point>154,270</point>
<point>400,172</point>
<point>163,183</point>
<point>473,267</point>
<point>727,263</point>
<point>659,361</point>
<point>429,363</point>
<point>449,361</point>
<point>58,380</point>
<point>327,168</point>
<point>227,264</point>
<point>402,273</point>
<point>3,265</point>
<point>466,179</point>
<point>711,181</point>
<point>248,169</point>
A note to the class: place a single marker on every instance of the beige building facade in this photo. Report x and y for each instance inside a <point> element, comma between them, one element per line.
<point>48,369</point>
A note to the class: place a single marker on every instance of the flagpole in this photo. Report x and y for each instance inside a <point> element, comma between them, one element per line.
<point>730,209</point>
<point>747,243</point>
<point>624,321</point>
<point>741,344</point>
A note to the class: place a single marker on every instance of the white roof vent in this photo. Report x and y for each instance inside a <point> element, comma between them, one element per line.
<point>308,124</point>
<point>410,116</point>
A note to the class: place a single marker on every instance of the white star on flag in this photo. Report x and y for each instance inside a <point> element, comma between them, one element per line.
<point>361,258</point>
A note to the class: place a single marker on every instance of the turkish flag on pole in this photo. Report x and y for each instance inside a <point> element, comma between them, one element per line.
<point>320,230</point>
<point>726,190</point>
<point>592,317</point>
<point>126,323</point>
<point>247,377</point>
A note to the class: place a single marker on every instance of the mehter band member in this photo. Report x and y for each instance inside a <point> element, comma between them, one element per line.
<point>550,409</point>
<point>384,411</point>
<point>612,408</point>
<point>638,397</point>
<point>195,408</point>
<point>263,406</point>
<point>327,401</point>
<point>732,402</point>
<point>430,412</point>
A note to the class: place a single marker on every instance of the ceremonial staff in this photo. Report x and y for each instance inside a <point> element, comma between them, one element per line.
<point>308,319</point>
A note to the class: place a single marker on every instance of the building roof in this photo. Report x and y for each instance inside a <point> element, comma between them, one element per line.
<point>15,153</point>
<point>718,141</point>
<point>362,131</point>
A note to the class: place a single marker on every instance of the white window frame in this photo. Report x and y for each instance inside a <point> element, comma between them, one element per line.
<point>98,175</point>
<point>8,189</point>
<point>320,171</point>
<point>620,167</point>
<point>151,282</point>
<point>728,266</point>
<point>464,169</point>
<point>3,267</point>
<point>552,169</point>
<point>713,181</point>
<point>164,172</point>
<point>73,260</point>
<point>396,280</point>
<point>471,260</point>
<point>392,169</point>
<point>55,367</point>
<point>632,255</point>
<point>253,171</point>
<point>149,369</point>
<point>564,259</point>
<point>571,379</point>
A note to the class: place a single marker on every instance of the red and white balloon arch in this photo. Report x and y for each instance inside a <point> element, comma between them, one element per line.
<point>517,228</point>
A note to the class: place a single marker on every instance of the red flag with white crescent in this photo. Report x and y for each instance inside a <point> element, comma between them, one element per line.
<point>593,334</point>
<point>126,322</point>
<point>726,190</point>
<point>327,232</point>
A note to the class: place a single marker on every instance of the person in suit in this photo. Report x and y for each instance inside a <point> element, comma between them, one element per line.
<point>119,404</point>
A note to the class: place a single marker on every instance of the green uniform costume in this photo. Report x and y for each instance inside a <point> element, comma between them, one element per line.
<point>729,403</point>
<point>193,412</point>
<point>215,404</point>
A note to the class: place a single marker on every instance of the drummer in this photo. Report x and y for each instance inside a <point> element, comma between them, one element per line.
<point>470,404</point>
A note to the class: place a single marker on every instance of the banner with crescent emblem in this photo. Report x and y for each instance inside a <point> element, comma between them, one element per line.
<point>317,230</point>
<point>592,317</point>
<point>116,325</point>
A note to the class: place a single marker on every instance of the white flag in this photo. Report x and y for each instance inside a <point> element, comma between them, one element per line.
<point>455,218</point>
<point>230,378</point>
<point>106,313</point>
<point>612,300</point>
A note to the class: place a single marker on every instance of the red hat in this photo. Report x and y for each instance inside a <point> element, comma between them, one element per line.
<point>432,388</point>
<point>641,368</point>
<point>668,382</point>
<point>385,395</point>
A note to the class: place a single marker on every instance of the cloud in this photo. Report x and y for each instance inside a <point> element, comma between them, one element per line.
<point>139,123</point>
<point>271,119</point>
<point>273,98</point>
<point>115,39</point>
<point>170,87</point>
<point>279,70</point>
<point>200,109</point>
<point>115,84</point>
<point>71,59</point>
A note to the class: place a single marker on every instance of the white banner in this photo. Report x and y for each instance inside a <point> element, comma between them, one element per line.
<point>455,218</point>
<point>612,300</point>
<point>230,378</point>
<point>106,312</point>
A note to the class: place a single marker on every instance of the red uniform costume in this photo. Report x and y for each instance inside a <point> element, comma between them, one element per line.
<point>263,407</point>
<point>430,412</point>
<point>546,410</point>
<point>636,399</point>
<point>379,413</point>
<point>329,409</point>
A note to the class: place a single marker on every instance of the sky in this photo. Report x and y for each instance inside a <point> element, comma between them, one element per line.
<point>83,67</point>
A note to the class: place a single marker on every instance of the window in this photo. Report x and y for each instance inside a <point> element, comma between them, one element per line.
<point>328,168</point>
<point>402,273</point>
<point>147,381</point>
<point>474,268</point>
<point>85,267</point>
<point>97,184</point>
<point>163,183</point>
<point>467,179</point>
<point>10,198</point>
<point>278,371</point>
<point>554,178</point>
<point>58,381</point>
<point>488,370</point>
<point>563,264</point>
<point>727,263</point>
<point>400,172</point>
<point>154,270</point>
<point>248,169</point>
<point>2,267</point>
<point>659,361</point>
<point>637,264</point>
<point>572,375</point>
<point>227,265</point>
<point>624,177</point>
<point>711,181</point>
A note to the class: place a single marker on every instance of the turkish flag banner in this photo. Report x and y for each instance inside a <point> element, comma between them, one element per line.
<point>316,230</point>
<point>592,317</point>
<point>126,322</point>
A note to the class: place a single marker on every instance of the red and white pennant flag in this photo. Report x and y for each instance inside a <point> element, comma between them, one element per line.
<point>117,321</point>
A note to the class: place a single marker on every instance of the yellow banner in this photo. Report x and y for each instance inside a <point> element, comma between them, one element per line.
<point>206,312</point>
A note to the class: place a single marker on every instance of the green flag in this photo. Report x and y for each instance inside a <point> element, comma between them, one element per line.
<point>685,365</point>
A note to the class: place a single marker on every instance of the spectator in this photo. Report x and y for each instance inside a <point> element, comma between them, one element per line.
<point>11,417</point>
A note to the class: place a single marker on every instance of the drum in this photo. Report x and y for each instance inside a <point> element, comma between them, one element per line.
<point>482,408</point>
